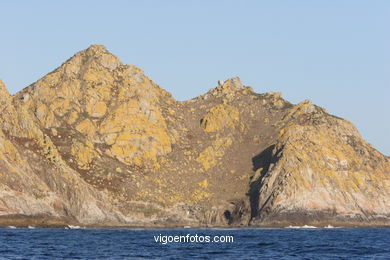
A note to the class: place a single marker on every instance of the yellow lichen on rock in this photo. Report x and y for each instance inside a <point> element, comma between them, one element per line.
<point>83,81</point>
<point>60,106</point>
<point>84,153</point>
<point>204,183</point>
<point>8,115</point>
<point>54,132</point>
<point>305,107</point>
<point>219,117</point>
<point>209,157</point>
<point>87,127</point>
<point>96,109</point>
<point>199,195</point>
<point>72,117</point>
<point>322,166</point>
<point>49,150</point>
<point>93,75</point>
<point>93,85</point>
<point>8,150</point>
<point>45,116</point>
<point>136,136</point>
<point>97,96</point>
<point>97,131</point>
<point>256,139</point>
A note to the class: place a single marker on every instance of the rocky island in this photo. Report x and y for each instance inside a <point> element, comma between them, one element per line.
<point>98,143</point>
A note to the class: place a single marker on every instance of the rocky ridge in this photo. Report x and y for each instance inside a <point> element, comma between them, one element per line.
<point>96,142</point>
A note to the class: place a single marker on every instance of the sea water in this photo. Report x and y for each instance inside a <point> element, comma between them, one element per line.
<point>273,243</point>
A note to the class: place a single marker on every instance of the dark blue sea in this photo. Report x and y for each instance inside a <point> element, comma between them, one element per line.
<point>283,243</point>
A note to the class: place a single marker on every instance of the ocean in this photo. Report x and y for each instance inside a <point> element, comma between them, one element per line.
<point>188,243</point>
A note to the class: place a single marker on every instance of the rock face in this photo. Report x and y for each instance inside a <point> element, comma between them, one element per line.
<point>96,142</point>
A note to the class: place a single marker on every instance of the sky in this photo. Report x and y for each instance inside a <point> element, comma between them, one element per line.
<point>335,52</point>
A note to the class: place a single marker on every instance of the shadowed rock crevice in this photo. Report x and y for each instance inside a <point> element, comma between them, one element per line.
<point>261,164</point>
<point>237,214</point>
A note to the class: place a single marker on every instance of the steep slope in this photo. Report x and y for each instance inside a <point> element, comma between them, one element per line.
<point>36,186</point>
<point>97,142</point>
<point>321,170</point>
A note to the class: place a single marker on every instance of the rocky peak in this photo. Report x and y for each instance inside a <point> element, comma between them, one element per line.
<point>95,50</point>
<point>4,94</point>
<point>230,84</point>
<point>102,56</point>
<point>114,105</point>
<point>305,107</point>
<point>8,115</point>
<point>226,88</point>
<point>95,57</point>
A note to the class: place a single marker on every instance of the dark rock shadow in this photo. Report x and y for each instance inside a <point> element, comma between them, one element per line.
<point>262,160</point>
<point>238,213</point>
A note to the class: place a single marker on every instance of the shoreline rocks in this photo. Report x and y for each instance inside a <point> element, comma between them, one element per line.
<point>97,143</point>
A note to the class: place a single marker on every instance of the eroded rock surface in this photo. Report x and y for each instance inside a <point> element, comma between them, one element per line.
<point>96,142</point>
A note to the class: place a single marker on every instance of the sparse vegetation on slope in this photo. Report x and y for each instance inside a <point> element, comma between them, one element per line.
<point>98,142</point>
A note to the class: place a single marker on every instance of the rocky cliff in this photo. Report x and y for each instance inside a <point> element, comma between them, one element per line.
<point>96,142</point>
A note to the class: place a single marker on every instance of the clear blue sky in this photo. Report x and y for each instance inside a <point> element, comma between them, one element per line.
<point>336,53</point>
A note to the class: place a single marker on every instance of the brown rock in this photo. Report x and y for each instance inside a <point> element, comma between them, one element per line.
<point>97,142</point>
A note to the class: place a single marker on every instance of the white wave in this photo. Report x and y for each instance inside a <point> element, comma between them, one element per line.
<point>31,227</point>
<point>330,226</point>
<point>305,226</point>
<point>73,227</point>
<point>11,227</point>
